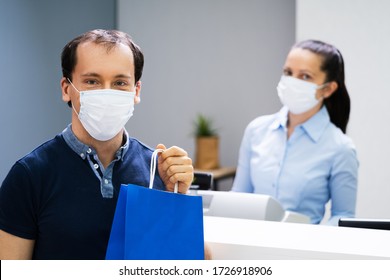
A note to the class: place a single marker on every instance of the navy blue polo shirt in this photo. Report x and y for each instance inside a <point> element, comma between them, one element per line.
<point>56,196</point>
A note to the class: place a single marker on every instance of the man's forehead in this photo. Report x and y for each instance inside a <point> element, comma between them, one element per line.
<point>107,47</point>
<point>91,57</point>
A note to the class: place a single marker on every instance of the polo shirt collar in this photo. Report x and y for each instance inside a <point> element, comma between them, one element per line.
<point>83,150</point>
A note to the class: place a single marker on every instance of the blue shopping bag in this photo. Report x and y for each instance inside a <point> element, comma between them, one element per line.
<point>151,224</point>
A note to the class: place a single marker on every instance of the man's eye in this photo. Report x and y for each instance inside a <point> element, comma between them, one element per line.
<point>91,82</point>
<point>120,83</point>
<point>306,77</point>
<point>287,73</point>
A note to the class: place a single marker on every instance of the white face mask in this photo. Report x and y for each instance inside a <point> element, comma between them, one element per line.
<point>104,112</point>
<point>298,95</point>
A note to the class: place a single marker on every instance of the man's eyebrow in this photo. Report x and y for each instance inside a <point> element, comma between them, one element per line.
<point>123,76</point>
<point>97,75</point>
<point>90,75</point>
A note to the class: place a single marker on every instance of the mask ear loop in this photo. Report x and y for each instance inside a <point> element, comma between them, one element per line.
<point>153,164</point>
<point>72,85</point>
<point>321,87</point>
<point>77,91</point>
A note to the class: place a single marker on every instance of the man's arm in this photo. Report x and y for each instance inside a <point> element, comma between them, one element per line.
<point>15,248</point>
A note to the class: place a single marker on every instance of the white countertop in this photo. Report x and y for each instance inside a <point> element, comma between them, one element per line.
<point>231,238</point>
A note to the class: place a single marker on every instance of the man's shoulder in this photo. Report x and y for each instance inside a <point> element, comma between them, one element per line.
<point>46,152</point>
<point>136,145</point>
<point>42,160</point>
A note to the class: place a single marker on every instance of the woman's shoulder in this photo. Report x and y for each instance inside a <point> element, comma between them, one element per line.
<point>266,121</point>
<point>341,142</point>
<point>339,136</point>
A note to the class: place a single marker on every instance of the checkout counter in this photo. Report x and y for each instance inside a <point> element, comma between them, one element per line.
<point>245,239</point>
<point>239,226</point>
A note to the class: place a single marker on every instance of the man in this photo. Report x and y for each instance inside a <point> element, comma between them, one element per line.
<point>58,201</point>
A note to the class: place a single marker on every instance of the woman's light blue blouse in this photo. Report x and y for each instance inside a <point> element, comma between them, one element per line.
<point>316,164</point>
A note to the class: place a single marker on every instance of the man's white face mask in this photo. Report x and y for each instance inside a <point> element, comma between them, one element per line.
<point>298,95</point>
<point>104,112</point>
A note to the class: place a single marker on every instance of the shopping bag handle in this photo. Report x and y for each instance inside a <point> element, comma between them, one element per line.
<point>153,164</point>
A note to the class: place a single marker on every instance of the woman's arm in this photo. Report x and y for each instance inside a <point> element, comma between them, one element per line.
<point>242,180</point>
<point>343,184</point>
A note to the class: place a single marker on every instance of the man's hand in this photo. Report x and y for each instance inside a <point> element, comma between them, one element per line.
<point>174,165</point>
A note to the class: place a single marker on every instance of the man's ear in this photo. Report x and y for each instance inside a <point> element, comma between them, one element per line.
<point>330,89</point>
<point>65,88</point>
<point>137,98</point>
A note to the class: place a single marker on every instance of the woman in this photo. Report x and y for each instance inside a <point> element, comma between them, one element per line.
<point>301,155</point>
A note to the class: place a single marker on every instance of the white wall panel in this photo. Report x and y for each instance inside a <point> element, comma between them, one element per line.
<point>361,30</point>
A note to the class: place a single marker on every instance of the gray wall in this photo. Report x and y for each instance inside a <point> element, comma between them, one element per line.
<point>32,34</point>
<point>222,58</point>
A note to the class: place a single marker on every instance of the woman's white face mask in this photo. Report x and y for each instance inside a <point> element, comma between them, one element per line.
<point>298,95</point>
<point>104,112</point>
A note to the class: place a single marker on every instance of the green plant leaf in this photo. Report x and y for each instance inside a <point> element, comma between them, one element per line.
<point>203,126</point>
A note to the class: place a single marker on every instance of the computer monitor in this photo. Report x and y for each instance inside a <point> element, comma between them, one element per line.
<point>383,224</point>
<point>202,181</point>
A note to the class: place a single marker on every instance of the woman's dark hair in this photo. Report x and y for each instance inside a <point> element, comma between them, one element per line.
<point>109,38</point>
<point>339,103</point>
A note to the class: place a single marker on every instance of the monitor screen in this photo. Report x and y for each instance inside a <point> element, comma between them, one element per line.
<point>202,181</point>
<point>365,223</point>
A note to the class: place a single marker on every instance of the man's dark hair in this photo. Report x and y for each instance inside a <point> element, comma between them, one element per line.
<point>108,38</point>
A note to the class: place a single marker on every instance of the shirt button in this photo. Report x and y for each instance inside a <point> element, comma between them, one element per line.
<point>82,155</point>
<point>96,166</point>
<point>89,151</point>
<point>105,181</point>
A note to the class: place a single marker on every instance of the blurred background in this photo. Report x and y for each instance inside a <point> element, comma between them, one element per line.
<point>220,58</point>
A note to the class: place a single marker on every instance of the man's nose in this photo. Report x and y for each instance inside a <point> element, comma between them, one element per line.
<point>107,85</point>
